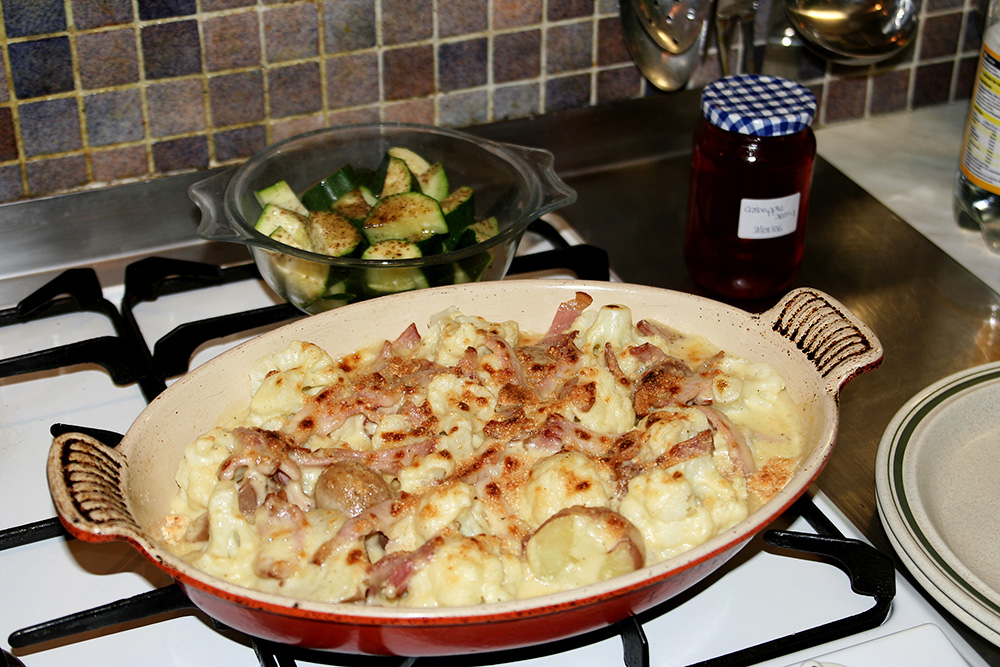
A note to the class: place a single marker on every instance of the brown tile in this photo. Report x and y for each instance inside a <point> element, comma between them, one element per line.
<point>11,186</point>
<point>410,111</point>
<point>462,64</point>
<point>932,85</point>
<point>117,164</point>
<point>239,144</point>
<point>846,99</point>
<point>518,101</point>
<point>8,137</point>
<point>516,13</point>
<point>50,126</point>
<point>294,90</point>
<point>219,5</point>
<point>114,117</point>
<point>890,91</point>
<point>623,83</point>
<point>231,41</point>
<point>176,107</point>
<point>972,42</point>
<point>966,79</point>
<point>611,49</point>
<point>56,174</point>
<point>89,14</point>
<point>462,17</point>
<point>107,58</point>
<point>409,72</point>
<point>348,25</point>
<point>236,99</point>
<point>282,129</point>
<point>939,36</point>
<point>291,32</point>
<point>463,109</point>
<point>559,10</point>
<point>567,92</point>
<point>405,21</point>
<point>941,5</point>
<point>180,154</point>
<point>567,47</point>
<point>517,55</point>
<point>352,80</point>
<point>354,116</point>
<point>171,49</point>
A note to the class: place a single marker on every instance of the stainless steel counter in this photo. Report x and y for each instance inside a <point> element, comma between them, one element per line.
<point>629,164</point>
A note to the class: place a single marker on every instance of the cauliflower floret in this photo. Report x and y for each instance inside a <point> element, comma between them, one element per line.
<point>560,481</point>
<point>612,411</point>
<point>680,507</point>
<point>282,382</point>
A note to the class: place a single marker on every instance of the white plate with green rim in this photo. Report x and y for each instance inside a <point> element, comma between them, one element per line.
<point>937,481</point>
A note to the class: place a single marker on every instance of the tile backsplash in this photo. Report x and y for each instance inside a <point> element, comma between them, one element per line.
<point>98,92</point>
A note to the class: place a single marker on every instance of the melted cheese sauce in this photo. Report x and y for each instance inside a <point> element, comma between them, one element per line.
<point>510,464</point>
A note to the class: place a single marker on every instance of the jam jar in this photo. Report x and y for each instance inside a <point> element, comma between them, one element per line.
<point>751,169</point>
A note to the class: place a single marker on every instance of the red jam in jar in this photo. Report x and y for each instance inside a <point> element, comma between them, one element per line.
<point>751,169</point>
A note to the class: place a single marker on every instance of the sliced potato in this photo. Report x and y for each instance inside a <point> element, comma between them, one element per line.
<point>583,545</point>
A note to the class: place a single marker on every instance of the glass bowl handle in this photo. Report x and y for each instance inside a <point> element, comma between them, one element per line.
<point>210,194</point>
<point>555,192</point>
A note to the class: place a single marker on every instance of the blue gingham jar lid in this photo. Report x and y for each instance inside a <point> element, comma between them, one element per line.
<point>764,106</point>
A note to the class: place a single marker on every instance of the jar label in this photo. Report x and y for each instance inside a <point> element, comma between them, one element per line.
<point>768,218</point>
<point>981,159</point>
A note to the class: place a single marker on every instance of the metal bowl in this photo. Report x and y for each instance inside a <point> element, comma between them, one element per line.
<point>103,493</point>
<point>515,184</point>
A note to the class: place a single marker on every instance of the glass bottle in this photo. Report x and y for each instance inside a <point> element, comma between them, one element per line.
<point>751,170</point>
<point>977,182</point>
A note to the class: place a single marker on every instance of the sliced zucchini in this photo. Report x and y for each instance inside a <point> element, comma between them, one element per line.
<point>409,216</point>
<point>303,281</point>
<point>274,218</point>
<point>398,178</point>
<point>434,182</point>
<point>388,280</point>
<point>356,204</point>
<point>333,234</point>
<point>459,211</point>
<point>485,229</point>
<point>281,194</point>
<point>415,162</point>
<point>321,196</point>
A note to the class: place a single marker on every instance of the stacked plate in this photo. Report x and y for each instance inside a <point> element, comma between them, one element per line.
<point>937,479</point>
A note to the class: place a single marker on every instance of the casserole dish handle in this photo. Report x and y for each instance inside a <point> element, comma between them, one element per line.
<point>87,482</point>
<point>837,343</point>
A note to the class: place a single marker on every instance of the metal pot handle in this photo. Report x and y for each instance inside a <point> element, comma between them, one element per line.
<point>86,478</point>
<point>837,343</point>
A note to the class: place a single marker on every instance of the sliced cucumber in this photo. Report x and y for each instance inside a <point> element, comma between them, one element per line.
<point>388,280</point>
<point>281,194</point>
<point>415,162</point>
<point>398,178</point>
<point>333,234</point>
<point>409,216</point>
<point>321,196</point>
<point>434,182</point>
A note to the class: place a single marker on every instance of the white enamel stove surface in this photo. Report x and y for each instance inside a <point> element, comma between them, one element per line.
<point>760,596</point>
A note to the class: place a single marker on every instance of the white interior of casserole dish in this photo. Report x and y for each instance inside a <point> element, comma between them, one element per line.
<point>194,403</point>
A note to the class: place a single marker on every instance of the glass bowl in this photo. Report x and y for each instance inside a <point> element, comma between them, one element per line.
<point>514,184</point>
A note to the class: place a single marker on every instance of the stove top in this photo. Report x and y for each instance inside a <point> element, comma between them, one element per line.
<point>75,355</point>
